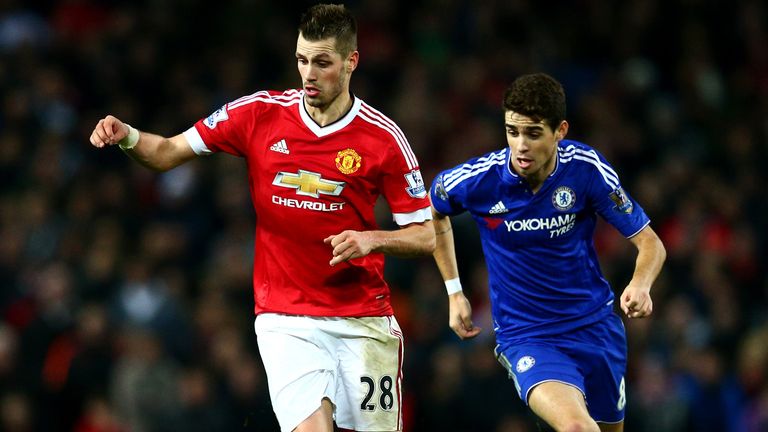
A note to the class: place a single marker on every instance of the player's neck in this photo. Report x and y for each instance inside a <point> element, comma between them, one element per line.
<point>333,111</point>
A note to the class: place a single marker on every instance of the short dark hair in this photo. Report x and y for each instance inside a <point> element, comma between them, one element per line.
<point>324,21</point>
<point>538,96</point>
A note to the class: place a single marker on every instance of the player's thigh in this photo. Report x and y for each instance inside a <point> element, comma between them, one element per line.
<point>603,356</point>
<point>301,371</point>
<point>549,381</point>
<point>319,421</point>
<point>559,404</point>
<point>370,371</point>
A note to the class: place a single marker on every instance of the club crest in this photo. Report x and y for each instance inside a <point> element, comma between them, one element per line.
<point>563,198</point>
<point>348,161</point>
<point>525,363</point>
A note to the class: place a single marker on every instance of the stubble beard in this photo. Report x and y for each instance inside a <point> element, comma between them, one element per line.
<point>323,103</point>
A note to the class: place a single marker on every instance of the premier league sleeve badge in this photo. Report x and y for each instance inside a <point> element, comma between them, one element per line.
<point>622,201</point>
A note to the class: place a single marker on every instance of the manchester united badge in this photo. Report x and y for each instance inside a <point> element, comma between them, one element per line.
<point>348,161</point>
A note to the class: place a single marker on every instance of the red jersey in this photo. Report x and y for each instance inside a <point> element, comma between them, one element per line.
<point>308,182</point>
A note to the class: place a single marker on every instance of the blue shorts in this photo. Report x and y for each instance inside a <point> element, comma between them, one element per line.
<point>592,359</point>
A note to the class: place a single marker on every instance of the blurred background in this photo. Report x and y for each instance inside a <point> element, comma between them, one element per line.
<point>125,295</point>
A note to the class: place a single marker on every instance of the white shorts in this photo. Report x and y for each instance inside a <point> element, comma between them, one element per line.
<point>354,362</point>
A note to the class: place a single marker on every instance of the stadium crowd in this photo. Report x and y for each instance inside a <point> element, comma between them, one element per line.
<point>125,295</point>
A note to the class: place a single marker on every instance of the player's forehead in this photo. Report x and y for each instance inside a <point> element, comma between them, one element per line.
<point>316,49</point>
<point>521,121</point>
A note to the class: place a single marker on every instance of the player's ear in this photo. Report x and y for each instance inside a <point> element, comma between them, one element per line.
<point>561,131</point>
<point>352,60</point>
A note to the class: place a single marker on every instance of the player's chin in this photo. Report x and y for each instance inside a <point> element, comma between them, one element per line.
<point>315,101</point>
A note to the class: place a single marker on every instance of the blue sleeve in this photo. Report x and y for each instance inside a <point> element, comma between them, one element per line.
<point>610,200</point>
<point>446,203</point>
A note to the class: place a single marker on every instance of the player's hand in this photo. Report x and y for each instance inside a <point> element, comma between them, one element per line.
<point>636,301</point>
<point>460,316</point>
<point>108,131</point>
<point>348,245</point>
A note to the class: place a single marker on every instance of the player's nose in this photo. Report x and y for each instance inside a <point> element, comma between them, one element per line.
<point>311,73</point>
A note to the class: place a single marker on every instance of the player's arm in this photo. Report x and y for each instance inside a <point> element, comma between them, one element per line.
<point>459,308</point>
<point>636,299</point>
<point>415,239</point>
<point>152,151</point>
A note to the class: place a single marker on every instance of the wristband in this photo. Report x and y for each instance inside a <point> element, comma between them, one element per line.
<point>453,286</point>
<point>130,140</point>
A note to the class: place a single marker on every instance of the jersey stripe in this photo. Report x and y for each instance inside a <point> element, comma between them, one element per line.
<point>453,178</point>
<point>481,160</point>
<point>571,150</point>
<point>405,148</point>
<point>248,97</point>
<point>265,97</point>
<point>404,145</point>
<point>399,379</point>
<point>609,175</point>
<point>375,113</point>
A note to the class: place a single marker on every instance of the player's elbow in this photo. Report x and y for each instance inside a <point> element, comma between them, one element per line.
<point>429,243</point>
<point>420,240</point>
<point>429,240</point>
<point>661,251</point>
<point>655,244</point>
<point>169,154</point>
<point>649,244</point>
<point>164,166</point>
<point>157,166</point>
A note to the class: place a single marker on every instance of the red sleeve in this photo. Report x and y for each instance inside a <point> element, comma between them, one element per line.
<point>401,181</point>
<point>225,129</point>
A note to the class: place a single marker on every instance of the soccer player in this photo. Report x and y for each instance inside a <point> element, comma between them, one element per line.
<point>536,203</point>
<point>318,158</point>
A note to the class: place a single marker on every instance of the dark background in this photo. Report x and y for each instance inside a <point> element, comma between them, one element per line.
<point>125,295</point>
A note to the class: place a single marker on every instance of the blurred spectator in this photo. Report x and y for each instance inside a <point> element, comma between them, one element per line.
<point>144,387</point>
<point>98,416</point>
<point>16,413</point>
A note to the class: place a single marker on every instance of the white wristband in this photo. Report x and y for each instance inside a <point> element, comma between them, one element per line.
<point>453,286</point>
<point>130,140</point>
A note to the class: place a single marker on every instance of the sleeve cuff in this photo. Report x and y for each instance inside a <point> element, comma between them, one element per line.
<point>638,231</point>
<point>196,142</point>
<point>421,215</point>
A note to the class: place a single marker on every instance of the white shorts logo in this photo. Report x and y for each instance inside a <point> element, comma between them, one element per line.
<point>525,363</point>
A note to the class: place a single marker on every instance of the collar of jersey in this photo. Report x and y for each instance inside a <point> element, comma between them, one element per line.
<point>328,129</point>
<point>514,177</point>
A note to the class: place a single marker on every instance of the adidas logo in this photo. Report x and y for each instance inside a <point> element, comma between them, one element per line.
<point>498,208</point>
<point>280,147</point>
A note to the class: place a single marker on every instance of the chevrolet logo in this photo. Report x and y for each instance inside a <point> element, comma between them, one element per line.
<point>308,183</point>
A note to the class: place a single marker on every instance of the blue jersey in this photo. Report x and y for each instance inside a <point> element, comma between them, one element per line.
<point>544,275</point>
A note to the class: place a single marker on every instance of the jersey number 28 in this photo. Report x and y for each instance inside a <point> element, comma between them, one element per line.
<point>386,399</point>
